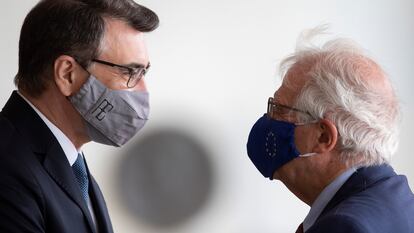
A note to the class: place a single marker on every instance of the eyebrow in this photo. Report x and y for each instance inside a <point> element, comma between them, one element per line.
<point>136,65</point>
<point>276,99</point>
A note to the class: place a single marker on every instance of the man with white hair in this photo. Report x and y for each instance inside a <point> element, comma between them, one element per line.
<point>328,135</point>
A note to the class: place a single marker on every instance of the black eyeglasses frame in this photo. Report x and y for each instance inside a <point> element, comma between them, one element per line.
<point>132,81</point>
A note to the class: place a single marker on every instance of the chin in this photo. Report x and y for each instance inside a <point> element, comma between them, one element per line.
<point>276,176</point>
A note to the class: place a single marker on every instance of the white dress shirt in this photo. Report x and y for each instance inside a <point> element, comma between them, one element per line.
<point>324,197</point>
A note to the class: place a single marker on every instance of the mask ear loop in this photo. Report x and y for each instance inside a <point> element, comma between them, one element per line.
<point>301,124</point>
<point>308,155</point>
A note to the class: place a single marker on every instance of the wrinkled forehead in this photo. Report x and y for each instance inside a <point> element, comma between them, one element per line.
<point>292,84</point>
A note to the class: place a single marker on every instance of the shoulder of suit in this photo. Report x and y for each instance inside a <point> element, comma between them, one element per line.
<point>339,223</point>
<point>16,158</point>
<point>7,133</point>
<point>375,209</point>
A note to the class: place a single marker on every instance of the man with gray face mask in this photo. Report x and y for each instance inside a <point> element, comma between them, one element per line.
<point>81,78</point>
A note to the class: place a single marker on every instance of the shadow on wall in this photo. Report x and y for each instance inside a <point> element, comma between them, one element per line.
<point>165,178</point>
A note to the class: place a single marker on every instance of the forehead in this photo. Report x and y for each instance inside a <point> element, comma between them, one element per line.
<point>122,43</point>
<point>292,85</point>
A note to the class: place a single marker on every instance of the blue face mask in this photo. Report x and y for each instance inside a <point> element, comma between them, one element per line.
<point>271,144</point>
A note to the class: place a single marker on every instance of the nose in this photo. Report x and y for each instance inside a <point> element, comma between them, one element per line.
<point>141,86</point>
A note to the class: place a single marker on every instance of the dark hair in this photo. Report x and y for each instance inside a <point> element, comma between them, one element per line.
<point>70,27</point>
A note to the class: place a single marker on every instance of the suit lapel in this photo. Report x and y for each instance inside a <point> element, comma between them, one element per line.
<point>101,210</point>
<point>99,205</point>
<point>359,181</point>
<point>38,136</point>
<point>59,169</point>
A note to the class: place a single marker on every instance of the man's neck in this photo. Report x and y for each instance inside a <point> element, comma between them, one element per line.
<point>312,190</point>
<point>60,112</point>
<point>308,182</point>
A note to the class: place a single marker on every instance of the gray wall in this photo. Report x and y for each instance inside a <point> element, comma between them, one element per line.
<point>213,67</point>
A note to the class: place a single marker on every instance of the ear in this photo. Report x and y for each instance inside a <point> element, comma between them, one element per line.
<point>67,74</point>
<point>327,138</point>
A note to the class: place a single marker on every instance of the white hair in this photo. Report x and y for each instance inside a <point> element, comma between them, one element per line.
<point>342,86</point>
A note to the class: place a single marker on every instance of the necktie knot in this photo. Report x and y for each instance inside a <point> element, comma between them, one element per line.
<point>81,174</point>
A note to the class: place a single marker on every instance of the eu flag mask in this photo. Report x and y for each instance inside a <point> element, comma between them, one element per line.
<point>271,144</point>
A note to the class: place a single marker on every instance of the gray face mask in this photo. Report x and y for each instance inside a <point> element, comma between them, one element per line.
<point>112,117</point>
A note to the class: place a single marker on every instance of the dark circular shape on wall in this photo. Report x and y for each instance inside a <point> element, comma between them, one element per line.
<point>166,177</point>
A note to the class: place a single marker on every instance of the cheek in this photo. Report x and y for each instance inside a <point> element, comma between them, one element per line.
<point>80,80</point>
<point>112,81</point>
<point>116,84</point>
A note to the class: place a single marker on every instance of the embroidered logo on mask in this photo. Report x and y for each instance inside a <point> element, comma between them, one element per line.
<point>270,144</point>
<point>104,107</point>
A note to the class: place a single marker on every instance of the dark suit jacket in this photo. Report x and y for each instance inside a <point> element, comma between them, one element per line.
<point>38,190</point>
<point>373,200</point>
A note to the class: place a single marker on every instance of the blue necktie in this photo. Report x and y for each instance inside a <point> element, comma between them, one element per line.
<point>79,169</point>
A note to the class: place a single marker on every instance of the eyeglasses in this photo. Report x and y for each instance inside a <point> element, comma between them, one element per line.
<point>275,110</point>
<point>135,73</point>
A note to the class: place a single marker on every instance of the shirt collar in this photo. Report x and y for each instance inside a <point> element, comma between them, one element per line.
<point>324,197</point>
<point>67,146</point>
